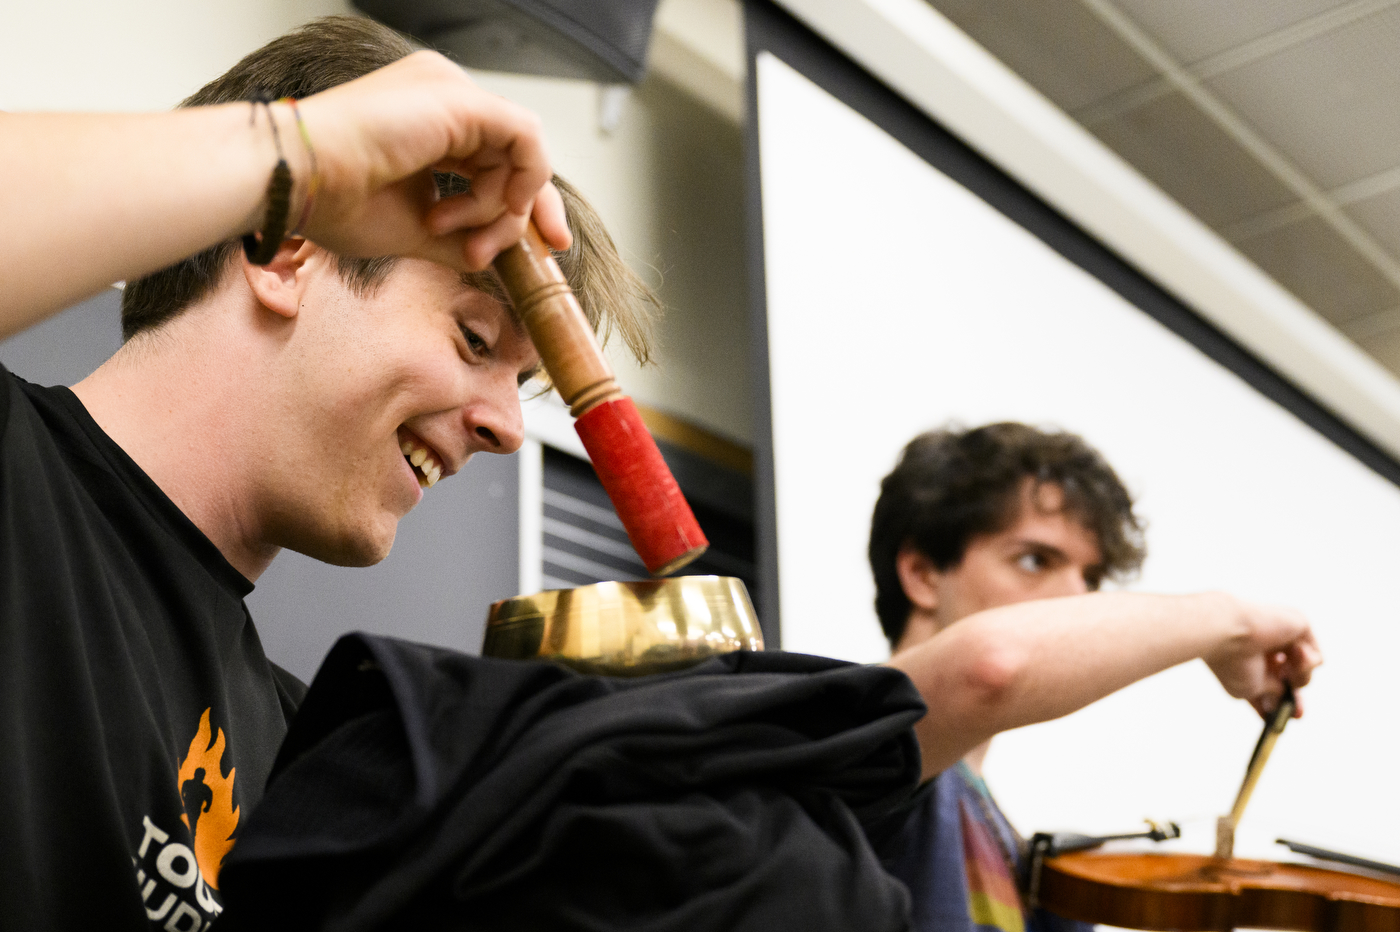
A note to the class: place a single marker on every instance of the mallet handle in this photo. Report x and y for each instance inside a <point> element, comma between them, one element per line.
<point>556,323</point>
<point>644,494</point>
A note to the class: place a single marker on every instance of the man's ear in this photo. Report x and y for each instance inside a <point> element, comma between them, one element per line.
<point>278,285</point>
<point>918,577</point>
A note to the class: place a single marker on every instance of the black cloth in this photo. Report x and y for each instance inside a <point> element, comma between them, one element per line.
<point>421,788</point>
<point>139,717</point>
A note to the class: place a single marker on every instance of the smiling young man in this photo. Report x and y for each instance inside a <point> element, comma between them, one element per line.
<point>988,546</point>
<point>350,400</point>
<point>306,402</point>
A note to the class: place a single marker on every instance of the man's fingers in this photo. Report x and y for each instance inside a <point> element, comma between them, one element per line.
<point>1312,653</point>
<point>418,114</point>
<point>527,179</point>
<point>477,244</point>
<point>1303,657</point>
<point>484,206</point>
<point>480,207</point>
<point>1281,649</point>
<point>509,138</point>
<point>550,219</point>
<point>485,243</point>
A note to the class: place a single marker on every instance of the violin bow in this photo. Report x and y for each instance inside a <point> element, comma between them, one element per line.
<point>1225,825</point>
<point>1324,854</point>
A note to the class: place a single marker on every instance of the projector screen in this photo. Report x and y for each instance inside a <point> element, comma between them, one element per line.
<point>895,299</point>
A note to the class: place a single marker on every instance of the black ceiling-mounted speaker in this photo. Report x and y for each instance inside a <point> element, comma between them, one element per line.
<point>596,40</point>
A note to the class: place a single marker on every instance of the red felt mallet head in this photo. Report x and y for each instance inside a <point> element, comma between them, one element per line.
<point>659,523</point>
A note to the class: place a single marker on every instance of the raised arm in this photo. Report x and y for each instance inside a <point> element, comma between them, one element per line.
<point>89,199</point>
<point>1035,661</point>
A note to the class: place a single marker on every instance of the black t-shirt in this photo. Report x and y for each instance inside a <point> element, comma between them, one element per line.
<point>139,716</point>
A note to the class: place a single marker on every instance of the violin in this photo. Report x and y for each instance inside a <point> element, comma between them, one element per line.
<point>1197,893</point>
<point>1201,893</point>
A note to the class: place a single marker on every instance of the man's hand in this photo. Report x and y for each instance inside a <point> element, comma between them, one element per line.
<point>1275,645</point>
<point>379,138</point>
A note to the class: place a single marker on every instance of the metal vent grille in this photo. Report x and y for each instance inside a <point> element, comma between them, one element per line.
<point>584,541</point>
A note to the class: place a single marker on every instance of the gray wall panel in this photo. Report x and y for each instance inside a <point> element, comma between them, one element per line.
<point>457,552</point>
<point>65,348</point>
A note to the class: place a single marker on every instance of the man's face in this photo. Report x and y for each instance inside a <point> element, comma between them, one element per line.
<point>1044,553</point>
<point>383,395</point>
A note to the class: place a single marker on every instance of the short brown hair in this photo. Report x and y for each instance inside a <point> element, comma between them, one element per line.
<point>333,50</point>
<point>952,485</point>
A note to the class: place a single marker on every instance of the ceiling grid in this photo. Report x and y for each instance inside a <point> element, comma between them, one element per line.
<point>1274,122</point>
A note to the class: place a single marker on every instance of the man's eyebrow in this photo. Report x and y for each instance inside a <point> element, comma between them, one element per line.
<point>489,283</point>
<point>1032,544</point>
<point>530,373</point>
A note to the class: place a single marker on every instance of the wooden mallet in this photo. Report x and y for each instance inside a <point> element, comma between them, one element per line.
<point>655,514</point>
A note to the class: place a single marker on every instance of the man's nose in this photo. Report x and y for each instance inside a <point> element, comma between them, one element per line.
<point>1073,581</point>
<point>494,423</point>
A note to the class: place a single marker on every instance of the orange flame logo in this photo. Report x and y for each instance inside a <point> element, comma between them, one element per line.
<point>208,799</point>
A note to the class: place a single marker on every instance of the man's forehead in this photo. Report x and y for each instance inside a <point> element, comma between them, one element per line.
<point>489,283</point>
<point>1044,495</point>
<point>1042,514</point>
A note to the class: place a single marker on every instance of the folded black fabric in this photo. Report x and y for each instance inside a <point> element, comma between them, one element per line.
<point>420,787</point>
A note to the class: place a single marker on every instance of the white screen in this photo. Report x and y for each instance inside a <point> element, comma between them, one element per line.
<point>898,301</point>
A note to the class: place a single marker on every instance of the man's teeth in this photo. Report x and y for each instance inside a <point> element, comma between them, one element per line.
<point>427,467</point>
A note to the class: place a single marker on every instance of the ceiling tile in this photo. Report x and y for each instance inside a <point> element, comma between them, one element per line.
<point>1328,104</point>
<point>1059,46</point>
<point>1380,216</point>
<point>1385,349</point>
<point>1190,157</point>
<point>1195,29</point>
<point>1313,261</point>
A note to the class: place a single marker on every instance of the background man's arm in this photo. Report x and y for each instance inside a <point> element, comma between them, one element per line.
<point>89,199</point>
<point>1035,661</point>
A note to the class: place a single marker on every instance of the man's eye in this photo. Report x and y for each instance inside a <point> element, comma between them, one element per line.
<point>474,342</point>
<point>1031,562</point>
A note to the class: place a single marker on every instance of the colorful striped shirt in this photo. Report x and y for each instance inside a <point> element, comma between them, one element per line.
<point>955,854</point>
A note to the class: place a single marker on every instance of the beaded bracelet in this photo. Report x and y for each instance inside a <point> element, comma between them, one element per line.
<point>315,183</point>
<point>261,247</point>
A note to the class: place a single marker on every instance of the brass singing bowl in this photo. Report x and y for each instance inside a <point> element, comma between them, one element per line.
<point>626,628</point>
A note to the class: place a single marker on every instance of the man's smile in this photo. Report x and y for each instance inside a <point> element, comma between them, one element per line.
<point>426,463</point>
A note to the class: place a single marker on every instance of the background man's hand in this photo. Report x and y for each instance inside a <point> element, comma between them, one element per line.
<point>1274,645</point>
<point>378,140</point>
